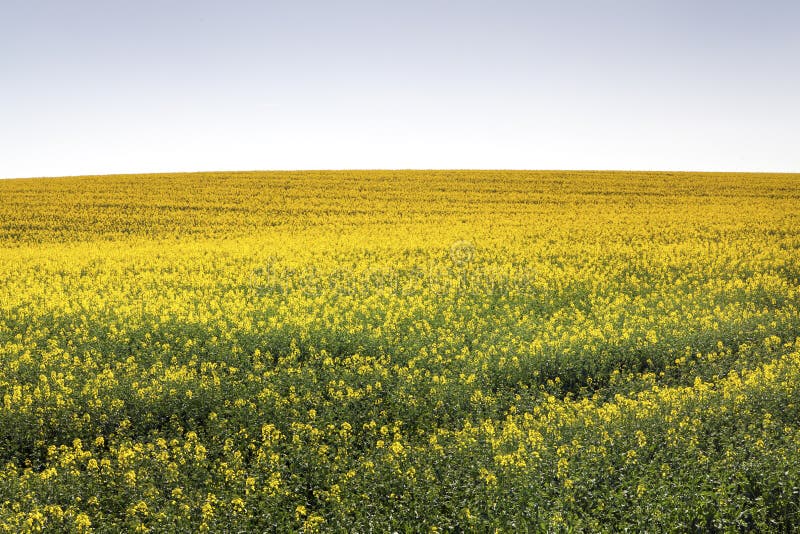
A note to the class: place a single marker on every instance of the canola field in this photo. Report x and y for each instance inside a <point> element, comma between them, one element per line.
<point>400,351</point>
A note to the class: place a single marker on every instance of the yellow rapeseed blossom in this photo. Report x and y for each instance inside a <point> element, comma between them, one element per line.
<point>400,350</point>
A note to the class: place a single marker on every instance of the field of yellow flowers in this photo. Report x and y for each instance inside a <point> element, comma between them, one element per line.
<point>403,351</point>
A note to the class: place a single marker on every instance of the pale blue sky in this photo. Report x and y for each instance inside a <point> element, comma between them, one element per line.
<point>146,86</point>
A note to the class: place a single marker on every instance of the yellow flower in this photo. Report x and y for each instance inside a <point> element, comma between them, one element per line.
<point>488,477</point>
<point>313,523</point>
<point>641,438</point>
<point>139,508</point>
<point>83,523</point>
<point>562,468</point>
<point>238,505</point>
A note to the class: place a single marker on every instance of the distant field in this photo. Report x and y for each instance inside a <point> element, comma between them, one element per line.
<point>400,351</point>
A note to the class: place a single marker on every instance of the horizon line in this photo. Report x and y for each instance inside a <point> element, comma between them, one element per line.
<point>391,169</point>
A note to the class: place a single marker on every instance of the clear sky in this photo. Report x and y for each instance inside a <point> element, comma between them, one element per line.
<point>113,86</point>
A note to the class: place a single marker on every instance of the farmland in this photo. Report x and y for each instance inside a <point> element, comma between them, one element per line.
<point>400,351</point>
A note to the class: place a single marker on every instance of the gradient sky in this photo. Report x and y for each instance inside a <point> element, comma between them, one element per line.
<point>95,87</point>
